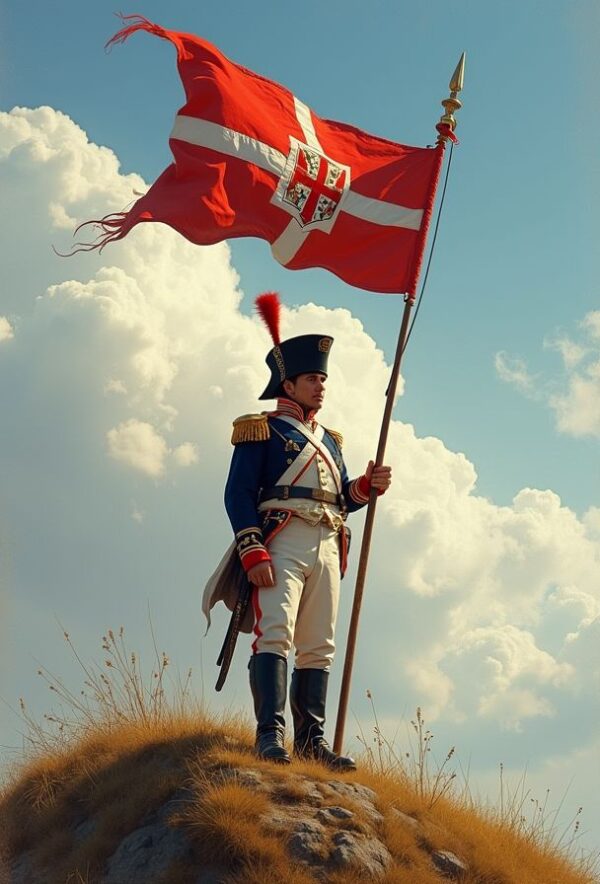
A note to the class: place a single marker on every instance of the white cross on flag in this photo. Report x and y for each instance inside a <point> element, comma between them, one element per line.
<point>250,159</point>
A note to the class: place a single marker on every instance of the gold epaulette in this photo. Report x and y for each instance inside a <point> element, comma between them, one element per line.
<point>250,428</point>
<point>339,439</point>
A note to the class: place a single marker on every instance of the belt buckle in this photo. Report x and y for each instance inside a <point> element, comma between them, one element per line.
<point>286,492</point>
<point>316,494</point>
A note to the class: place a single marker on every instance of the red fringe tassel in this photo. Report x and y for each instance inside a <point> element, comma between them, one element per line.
<point>446,130</point>
<point>113,227</point>
<point>138,23</point>
<point>118,224</point>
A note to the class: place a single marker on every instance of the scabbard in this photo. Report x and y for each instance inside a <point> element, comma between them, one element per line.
<point>233,630</point>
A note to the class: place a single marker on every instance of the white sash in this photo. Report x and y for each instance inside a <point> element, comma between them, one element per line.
<point>306,454</point>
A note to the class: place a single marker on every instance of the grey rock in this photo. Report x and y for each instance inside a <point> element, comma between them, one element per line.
<point>309,826</point>
<point>344,839</point>
<point>21,870</point>
<point>406,819</point>
<point>306,788</point>
<point>85,829</point>
<point>145,853</point>
<point>307,842</point>
<point>327,813</point>
<point>360,795</point>
<point>249,777</point>
<point>353,850</point>
<point>277,819</point>
<point>449,864</point>
<point>211,875</point>
<point>317,820</point>
<point>355,791</point>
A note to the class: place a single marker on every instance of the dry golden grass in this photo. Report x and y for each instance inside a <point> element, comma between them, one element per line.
<point>497,850</point>
<point>261,872</point>
<point>224,818</point>
<point>115,779</point>
<point>289,792</point>
<point>125,749</point>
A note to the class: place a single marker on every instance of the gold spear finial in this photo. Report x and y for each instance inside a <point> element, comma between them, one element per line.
<point>447,123</point>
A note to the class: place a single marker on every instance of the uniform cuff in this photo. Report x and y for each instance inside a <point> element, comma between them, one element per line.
<point>360,490</point>
<point>251,548</point>
<point>255,558</point>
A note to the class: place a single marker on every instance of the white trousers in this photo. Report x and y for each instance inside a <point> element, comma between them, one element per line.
<point>301,609</point>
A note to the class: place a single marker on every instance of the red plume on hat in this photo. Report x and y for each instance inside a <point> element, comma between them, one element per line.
<point>269,308</point>
<point>294,356</point>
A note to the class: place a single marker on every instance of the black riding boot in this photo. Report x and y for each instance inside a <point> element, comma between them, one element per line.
<point>268,683</point>
<point>308,694</point>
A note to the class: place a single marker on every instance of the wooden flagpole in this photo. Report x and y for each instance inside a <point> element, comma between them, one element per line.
<point>445,127</point>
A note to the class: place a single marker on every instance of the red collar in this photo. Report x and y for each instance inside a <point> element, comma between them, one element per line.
<point>293,409</point>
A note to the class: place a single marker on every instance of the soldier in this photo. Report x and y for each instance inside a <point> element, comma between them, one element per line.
<point>287,497</point>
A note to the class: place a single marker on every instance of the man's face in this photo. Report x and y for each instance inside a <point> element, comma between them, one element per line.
<point>307,390</point>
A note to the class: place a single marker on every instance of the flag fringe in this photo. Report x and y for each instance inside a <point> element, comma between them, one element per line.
<point>137,23</point>
<point>116,225</point>
<point>113,227</point>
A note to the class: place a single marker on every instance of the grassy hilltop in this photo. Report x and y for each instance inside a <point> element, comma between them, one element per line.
<point>133,788</point>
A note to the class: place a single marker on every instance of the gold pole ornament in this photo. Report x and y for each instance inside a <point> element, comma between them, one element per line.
<point>447,123</point>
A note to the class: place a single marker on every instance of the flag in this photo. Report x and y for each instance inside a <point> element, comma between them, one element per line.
<point>251,159</point>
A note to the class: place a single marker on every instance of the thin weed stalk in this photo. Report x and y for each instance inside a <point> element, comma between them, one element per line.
<point>113,693</point>
<point>414,764</point>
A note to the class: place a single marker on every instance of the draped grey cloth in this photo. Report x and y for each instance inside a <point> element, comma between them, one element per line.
<point>225,586</point>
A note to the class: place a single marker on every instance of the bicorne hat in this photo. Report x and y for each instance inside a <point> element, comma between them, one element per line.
<point>299,355</point>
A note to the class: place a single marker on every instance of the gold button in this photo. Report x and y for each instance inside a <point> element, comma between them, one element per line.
<point>289,461</point>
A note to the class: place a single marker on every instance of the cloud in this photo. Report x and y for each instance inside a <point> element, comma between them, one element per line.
<point>129,367</point>
<point>574,397</point>
<point>571,352</point>
<point>186,454</point>
<point>6,330</point>
<point>581,653</point>
<point>508,672</point>
<point>577,404</point>
<point>138,445</point>
<point>513,370</point>
<point>577,410</point>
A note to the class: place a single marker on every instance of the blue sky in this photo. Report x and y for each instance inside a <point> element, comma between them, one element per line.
<point>516,260</point>
<point>501,372</point>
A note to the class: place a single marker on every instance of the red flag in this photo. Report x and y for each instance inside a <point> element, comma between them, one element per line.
<point>250,159</point>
